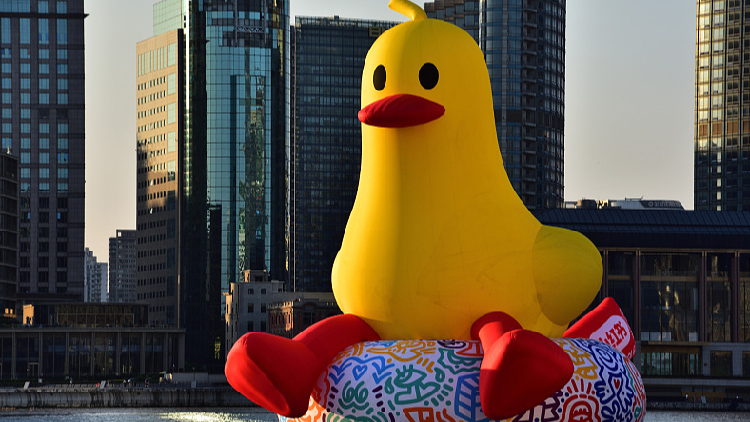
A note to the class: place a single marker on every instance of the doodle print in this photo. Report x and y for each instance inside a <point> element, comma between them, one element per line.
<point>437,381</point>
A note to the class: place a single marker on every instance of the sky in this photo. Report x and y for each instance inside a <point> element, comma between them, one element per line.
<point>629,100</point>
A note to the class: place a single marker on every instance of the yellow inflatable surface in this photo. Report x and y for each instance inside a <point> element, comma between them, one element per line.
<point>438,237</point>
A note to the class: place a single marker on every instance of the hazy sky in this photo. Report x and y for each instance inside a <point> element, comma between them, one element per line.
<point>629,100</point>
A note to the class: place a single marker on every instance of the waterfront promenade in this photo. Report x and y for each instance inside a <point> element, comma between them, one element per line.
<point>93,395</point>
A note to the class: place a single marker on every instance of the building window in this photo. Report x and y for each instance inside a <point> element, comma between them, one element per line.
<point>62,31</point>
<point>669,297</point>
<point>658,362</point>
<point>718,271</point>
<point>5,30</point>
<point>262,308</point>
<point>25,30</point>
<point>43,30</point>
<point>250,308</point>
<point>721,363</point>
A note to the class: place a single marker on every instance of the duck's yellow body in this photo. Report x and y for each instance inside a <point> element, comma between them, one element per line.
<point>437,236</point>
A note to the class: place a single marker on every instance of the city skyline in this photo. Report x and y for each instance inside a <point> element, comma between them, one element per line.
<point>617,144</point>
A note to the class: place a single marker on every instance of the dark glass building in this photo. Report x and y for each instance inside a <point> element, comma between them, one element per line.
<point>722,106</point>
<point>524,46</point>
<point>42,72</point>
<point>8,234</point>
<point>328,58</point>
<point>231,145</point>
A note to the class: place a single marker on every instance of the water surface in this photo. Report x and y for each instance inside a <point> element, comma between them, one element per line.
<point>260,415</point>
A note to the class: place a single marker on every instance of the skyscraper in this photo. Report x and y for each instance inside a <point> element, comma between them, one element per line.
<point>231,143</point>
<point>8,234</point>
<point>160,117</point>
<point>122,267</point>
<point>722,110</point>
<point>524,46</point>
<point>96,276</point>
<point>328,58</point>
<point>42,58</point>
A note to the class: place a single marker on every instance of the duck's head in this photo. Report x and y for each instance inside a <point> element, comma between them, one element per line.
<point>422,71</point>
<point>426,92</point>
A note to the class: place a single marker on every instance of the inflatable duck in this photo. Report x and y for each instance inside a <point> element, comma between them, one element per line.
<point>438,245</point>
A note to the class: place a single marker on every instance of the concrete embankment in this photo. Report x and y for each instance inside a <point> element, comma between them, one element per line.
<point>697,406</point>
<point>122,397</point>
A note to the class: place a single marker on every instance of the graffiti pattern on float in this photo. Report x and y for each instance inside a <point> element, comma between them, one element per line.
<point>438,381</point>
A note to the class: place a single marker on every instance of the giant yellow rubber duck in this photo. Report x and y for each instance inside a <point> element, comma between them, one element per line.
<point>438,244</point>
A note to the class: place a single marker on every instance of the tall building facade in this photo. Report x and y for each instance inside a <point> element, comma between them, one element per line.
<point>328,55</point>
<point>42,59</point>
<point>8,234</point>
<point>96,275</point>
<point>122,267</point>
<point>524,46</point>
<point>722,106</point>
<point>160,117</point>
<point>231,144</point>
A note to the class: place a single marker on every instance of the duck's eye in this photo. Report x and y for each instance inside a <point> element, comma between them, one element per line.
<point>428,76</point>
<point>378,78</point>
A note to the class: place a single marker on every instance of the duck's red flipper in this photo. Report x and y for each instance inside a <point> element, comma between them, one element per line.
<point>279,374</point>
<point>520,368</point>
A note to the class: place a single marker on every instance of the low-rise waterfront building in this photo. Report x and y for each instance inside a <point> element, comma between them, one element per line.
<point>88,341</point>
<point>250,303</point>
<point>291,317</point>
<point>682,279</point>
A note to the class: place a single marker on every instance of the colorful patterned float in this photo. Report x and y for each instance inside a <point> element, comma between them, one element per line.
<point>437,381</point>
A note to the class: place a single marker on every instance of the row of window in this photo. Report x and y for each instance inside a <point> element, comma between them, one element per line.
<point>43,127</point>
<point>43,53</point>
<point>62,217</point>
<point>44,173</point>
<point>43,32</point>
<point>43,113</point>
<point>62,187</point>
<point>43,247</point>
<point>44,158</point>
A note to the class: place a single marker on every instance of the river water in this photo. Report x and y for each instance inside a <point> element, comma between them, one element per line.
<point>259,415</point>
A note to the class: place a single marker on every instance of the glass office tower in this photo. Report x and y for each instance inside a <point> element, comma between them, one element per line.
<point>232,154</point>
<point>328,58</point>
<point>524,46</point>
<point>8,234</point>
<point>722,106</point>
<point>42,57</point>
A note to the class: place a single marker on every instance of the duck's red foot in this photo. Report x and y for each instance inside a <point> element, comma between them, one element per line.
<point>520,371</point>
<point>520,368</point>
<point>280,374</point>
<point>274,372</point>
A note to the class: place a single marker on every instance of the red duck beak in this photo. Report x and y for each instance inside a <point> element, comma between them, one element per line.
<point>400,110</point>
